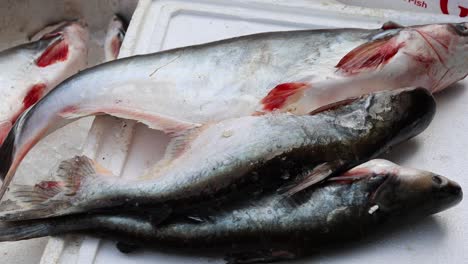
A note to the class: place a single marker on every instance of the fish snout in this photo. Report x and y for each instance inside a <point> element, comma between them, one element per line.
<point>446,191</point>
<point>417,109</point>
<point>461,28</point>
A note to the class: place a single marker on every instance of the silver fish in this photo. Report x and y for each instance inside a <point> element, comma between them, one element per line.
<point>206,161</point>
<point>114,37</point>
<point>272,228</point>
<point>31,70</point>
<point>229,78</point>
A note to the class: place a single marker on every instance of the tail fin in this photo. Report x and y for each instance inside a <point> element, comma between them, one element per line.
<point>24,230</point>
<point>14,231</point>
<point>52,198</point>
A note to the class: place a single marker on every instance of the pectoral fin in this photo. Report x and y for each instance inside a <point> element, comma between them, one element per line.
<point>317,175</point>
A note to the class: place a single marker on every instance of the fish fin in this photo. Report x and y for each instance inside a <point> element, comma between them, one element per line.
<point>283,93</point>
<point>259,256</point>
<point>179,142</point>
<point>333,105</point>
<point>41,200</point>
<point>126,248</point>
<point>161,122</point>
<point>24,230</point>
<point>369,56</point>
<point>56,52</point>
<point>391,25</point>
<point>317,175</point>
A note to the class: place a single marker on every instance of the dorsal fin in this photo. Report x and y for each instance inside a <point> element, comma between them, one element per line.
<point>391,25</point>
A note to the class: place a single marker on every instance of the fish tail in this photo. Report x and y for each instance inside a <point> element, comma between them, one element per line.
<point>13,231</point>
<point>52,198</point>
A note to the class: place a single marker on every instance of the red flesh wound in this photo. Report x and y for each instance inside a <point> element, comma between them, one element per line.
<point>277,97</point>
<point>56,52</point>
<point>368,56</point>
<point>35,93</point>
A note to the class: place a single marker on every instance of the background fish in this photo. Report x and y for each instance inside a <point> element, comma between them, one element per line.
<point>272,228</point>
<point>229,78</point>
<point>31,70</point>
<point>114,37</point>
<point>213,160</point>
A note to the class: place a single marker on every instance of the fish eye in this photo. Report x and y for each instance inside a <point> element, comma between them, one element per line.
<point>437,180</point>
<point>461,28</point>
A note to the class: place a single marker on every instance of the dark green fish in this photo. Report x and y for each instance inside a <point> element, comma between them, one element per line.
<point>272,227</point>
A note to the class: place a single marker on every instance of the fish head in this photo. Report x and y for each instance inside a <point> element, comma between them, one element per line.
<point>433,56</point>
<point>441,50</point>
<point>400,191</point>
<point>384,118</point>
<point>399,115</point>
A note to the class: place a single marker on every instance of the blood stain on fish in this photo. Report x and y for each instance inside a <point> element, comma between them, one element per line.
<point>55,53</point>
<point>33,95</point>
<point>277,97</point>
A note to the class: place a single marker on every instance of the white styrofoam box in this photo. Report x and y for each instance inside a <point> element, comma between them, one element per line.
<point>128,148</point>
<point>452,7</point>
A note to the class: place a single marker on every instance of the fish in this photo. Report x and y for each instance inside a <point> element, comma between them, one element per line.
<point>114,37</point>
<point>31,70</point>
<point>231,78</point>
<point>213,162</point>
<point>345,207</point>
